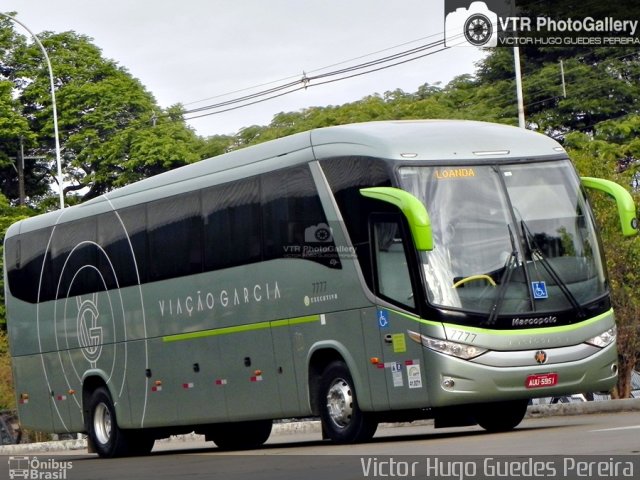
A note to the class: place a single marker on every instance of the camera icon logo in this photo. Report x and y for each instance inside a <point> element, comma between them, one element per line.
<point>476,26</point>
<point>320,233</point>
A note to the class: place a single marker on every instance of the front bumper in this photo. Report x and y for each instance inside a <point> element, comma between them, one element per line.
<point>460,381</point>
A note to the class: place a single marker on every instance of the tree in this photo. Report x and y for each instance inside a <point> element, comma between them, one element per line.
<point>614,152</point>
<point>14,132</point>
<point>7,397</point>
<point>111,129</point>
<point>14,128</point>
<point>601,84</point>
<point>215,145</point>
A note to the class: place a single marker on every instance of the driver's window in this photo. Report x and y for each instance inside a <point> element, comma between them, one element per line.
<point>392,269</point>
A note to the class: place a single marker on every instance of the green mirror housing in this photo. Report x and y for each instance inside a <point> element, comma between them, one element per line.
<point>413,210</point>
<point>626,207</point>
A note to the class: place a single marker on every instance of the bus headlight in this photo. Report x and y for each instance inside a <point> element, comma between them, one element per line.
<point>604,339</point>
<point>455,349</point>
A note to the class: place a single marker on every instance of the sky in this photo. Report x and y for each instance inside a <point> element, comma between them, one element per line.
<point>194,52</point>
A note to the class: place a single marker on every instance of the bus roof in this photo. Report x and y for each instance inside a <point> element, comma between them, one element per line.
<point>410,139</point>
<point>407,140</point>
<point>440,140</point>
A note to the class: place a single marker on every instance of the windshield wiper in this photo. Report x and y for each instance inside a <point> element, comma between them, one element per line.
<point>504,279</point>
<point>535,252</point>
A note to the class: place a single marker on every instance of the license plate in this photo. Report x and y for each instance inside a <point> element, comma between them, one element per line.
<point>541,380</point>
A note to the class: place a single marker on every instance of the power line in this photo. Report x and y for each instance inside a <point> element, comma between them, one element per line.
<point>343,62</point>
<point>305,81</point>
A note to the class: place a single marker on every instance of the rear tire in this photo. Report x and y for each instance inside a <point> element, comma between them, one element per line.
<point>240,435</point>
<point>501,416</point>
<point>342,419</point>
<point>107,438</point>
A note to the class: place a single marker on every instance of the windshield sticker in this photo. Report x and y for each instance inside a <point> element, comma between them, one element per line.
<point>539,290</point>
<point>449,173</point>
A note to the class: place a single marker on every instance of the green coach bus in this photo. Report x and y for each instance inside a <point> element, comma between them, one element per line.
<point>383,271</point>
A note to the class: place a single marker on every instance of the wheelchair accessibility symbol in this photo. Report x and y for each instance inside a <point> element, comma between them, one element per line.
<point>383,318</point>
<point>539,290</point>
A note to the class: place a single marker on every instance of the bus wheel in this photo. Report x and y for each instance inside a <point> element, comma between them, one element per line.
<point>109,440</point>
<point>342,419</point>
<point>501,416</point>
<point>240,435</point>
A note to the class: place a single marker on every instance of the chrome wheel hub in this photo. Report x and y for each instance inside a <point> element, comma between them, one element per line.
<point>340,403</point>
<point>102,424</point>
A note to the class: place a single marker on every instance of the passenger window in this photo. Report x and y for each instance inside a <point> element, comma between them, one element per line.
<point>232,230</point>
<point>174,226</point>
<point>30,280</point>
<point>392,269</point>
<point>294,222</point>
<point>346,176</point>
<point>135,224</point>
<point>73,253</point>
<point>118,268</point>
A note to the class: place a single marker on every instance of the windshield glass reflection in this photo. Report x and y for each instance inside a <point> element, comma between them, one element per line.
<point>509,239</point>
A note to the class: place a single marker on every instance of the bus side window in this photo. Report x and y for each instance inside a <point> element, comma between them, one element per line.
<point>174,236</point>
<point>392,269</point>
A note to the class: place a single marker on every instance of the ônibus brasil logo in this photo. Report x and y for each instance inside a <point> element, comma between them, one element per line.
<point>33,468</point>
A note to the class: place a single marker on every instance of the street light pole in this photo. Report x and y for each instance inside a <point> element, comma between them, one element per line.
<point>53,102</point>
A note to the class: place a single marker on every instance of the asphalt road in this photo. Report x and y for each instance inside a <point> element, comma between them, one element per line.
<point>615,437</point>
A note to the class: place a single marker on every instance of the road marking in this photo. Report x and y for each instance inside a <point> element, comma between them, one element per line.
<point>631,427</point>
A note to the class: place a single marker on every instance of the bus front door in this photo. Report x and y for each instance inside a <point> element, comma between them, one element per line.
<point>404,368</point>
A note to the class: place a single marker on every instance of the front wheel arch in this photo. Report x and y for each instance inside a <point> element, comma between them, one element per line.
<point>320,356</point>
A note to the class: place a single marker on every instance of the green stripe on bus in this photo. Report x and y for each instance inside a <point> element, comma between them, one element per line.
<point>240,328</point>
<point>525,331</point>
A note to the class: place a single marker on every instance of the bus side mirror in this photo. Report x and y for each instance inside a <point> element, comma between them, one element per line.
<point>413,210</point>
<point>626,207</point>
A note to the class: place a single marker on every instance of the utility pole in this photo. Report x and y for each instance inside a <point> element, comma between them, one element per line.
<point>19,167</point>
<point>564,86</point>
<point>516,61</point>
<point>21,192</point>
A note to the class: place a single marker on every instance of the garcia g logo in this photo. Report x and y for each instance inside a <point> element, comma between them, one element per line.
<point>89,333</point>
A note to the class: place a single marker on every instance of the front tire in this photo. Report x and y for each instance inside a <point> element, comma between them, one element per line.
<point>107,438</point>
<point>342,419</point>
<point>501,416</point>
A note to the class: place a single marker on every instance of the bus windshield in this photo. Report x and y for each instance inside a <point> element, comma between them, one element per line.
<point>508,239</point>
